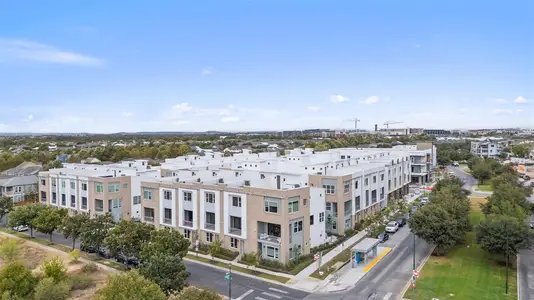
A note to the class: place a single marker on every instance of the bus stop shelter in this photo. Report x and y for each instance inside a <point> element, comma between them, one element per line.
<point>366,248</point>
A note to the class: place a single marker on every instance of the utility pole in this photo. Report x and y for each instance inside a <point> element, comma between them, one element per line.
<point>229,278</point>
<point>506,289</point>
<point>356,120</point>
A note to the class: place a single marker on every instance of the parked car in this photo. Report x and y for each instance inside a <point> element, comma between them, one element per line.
<point>20,228</point>
<point>413,209</point>
<point>456,164</point>
<point>401,221</point>
<point>87,248</point>
<point>392,227</point>
<point>406,216</point>
<point>384,236</point>
<point>424,200</point>
<point>532,225</point>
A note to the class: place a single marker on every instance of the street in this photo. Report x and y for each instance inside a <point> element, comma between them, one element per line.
<point>525,273</point>
<point>243,287</point>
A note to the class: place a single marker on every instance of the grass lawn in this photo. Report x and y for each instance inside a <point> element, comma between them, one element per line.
<point>466,272</point>
<point>239,269</point>
<point>484,188</point>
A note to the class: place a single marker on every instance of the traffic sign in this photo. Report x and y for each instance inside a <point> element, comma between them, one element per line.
<point>316,257</point>
<point>413,284</point>
<point>415,273</point>
<point>228,276</point>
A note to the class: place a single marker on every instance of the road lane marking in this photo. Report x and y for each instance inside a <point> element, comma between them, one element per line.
<point>376,260</point>
<point>244,295</point>
<point>271,295</point>
<point>260,298</point>
<point>277,290</point>
<point>387,296</point>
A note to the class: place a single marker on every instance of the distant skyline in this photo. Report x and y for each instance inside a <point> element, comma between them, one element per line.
<point>220,65</point>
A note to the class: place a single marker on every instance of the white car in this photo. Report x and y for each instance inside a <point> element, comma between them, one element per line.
<point>424,200</point>
<point>392,227</point>
<point>20,228</point>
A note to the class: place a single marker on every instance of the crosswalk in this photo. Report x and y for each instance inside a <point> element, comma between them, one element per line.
<point>270,294</point>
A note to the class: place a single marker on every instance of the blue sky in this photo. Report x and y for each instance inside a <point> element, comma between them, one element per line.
<point>104,66</point>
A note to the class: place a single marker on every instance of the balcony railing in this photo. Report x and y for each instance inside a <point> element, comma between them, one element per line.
<point>73,204</point>
<point>84,206</point>
<point>188,223</point>
<point>236,231</point>
<point>43,199</point>
<point>167,221</point>
<point>209,226</point>
<point>269,238</point>
<point>149,219</point>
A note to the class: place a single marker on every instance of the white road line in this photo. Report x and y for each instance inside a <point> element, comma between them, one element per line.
<point>244,295</point>
<point>387,296</point>
<point>260,298</point>
<point>277,290</point>
<point>271,295</point>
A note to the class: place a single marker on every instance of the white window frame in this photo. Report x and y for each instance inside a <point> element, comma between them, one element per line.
<point>329,189</point>
<point>99,187</point>
<point>321,217</point>
<point>275,252</point>
<point>209,237</point>
<point>236,200</point>
<point>234,243</point>
<point>63,184</point>
<point>167,195</point>
<point>147,194</point>
<point>136,200</point>
<point>72,185</point>
<point>84,186</point>
<point>187,233</point>
<point>291,206</point>
<point>114,187</point>
<point>18,189</point>
<point>346,188</point>
<point>188,196</point>
<point>209,197</point>
<point>268,204</point>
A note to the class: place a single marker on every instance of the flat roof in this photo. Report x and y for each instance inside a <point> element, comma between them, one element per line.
<point>365,245</point>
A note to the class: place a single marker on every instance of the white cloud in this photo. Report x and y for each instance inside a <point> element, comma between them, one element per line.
<point>314,108</point>
<point>500,100</point>
<point>370,100</point>
<point>230,119</point>
<point>338,99</point>
<point>18,49</point>
<point>506,111</point>
<point>207,71</point>
<point>127,114</point>
<point>28,118</point>
<point>520,99</point>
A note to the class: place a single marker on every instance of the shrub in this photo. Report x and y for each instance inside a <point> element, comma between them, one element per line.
<point>47,289</point>
<point>81,282</point>
<point>16,280</point>
<point>74,256</point>
<point>9,250</point>
<point>54,268</point>
<point>90,268</point>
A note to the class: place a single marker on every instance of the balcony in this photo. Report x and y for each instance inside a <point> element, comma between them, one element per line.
<point>149,219</point>
<point>167,221</point>
<point>209,226</point>
<point>235,231</point>
<point>264,237</point>
<point>188,223</point>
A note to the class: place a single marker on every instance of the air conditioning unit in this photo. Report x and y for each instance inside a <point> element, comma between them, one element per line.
<point>198,179</point>
<point>221,180</point>
<point>178,180</point>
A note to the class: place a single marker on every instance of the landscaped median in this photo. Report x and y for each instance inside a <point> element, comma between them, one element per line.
<point>239,269</point>
<point>484,188</point>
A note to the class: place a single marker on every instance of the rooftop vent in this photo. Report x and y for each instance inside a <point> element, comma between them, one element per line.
<point>247,182</point>
<point>198,179</point>
<point>221,180</point>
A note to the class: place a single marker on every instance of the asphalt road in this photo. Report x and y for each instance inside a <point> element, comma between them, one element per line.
<point>243,287</point>
<point>388,278</point>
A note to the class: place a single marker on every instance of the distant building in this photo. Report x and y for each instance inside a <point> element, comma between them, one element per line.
<point>63,158</point>
<point>436,132</point>
<point>18,181</point>
<point>486,148</point>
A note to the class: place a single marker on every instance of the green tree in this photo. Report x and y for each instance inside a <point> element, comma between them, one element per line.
<point>49,219</point>
<point>131,285</point>
<point>521,150</point>
<point>9,250</point>
<point>165,241</point>
<point>482,171</point>
<point>6,206</point>
<point>54,268</point>
<point>96,230</point>
<point>127,238</point>
<point>47,289</point>
<point>74,225</point>
<point>504,235</point>
<point>16,280</point>
<point>456,203</point>
<point>167,271</point>
<point>321,147</point>
<point>194,293</point>
<point>214,248</point>
<point>25,216</point>
<point>508,199</point>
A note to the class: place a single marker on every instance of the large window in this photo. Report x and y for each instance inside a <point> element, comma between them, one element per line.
<point>188,196</point>
<point>330,189</point>
<point>84,202</point>
<point>84,186</point>
<point>297,226</point>
<point>72,201</point>
<point>72,185</point>
<point>367,198</point>
<point>54,197</point>
<point>167,216</point>
<point>366,181</point>
<point>63,200</point>
<point>236,201</point>
<point>293,205</point>
<point>373,196</point>
<point>63,184</point>
<point>357,203</point>
<point>114,187</point>
<point>167,195</point>
<point>346,187</point>
<point>272,252</point>
<point>271,205</point>
<point>136,200</point>
<point>210,197</point>
<point>99,188</point>
<point>99,205</point>
<point>210,220</point>
<point>147,194</point>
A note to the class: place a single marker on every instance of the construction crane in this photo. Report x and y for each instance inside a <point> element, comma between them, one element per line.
<point>391,123</point>
<point>355,120</point>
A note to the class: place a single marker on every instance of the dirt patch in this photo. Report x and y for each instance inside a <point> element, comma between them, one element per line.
<point>476,202</point>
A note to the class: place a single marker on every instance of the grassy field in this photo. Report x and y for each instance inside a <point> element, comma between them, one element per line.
<point>466,272</point>
<point>484,188</point>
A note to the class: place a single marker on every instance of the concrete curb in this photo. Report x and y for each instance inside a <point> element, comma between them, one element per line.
<point>423,262</point>
<point>518,281</point>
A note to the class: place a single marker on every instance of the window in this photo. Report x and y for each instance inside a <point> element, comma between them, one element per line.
<point>236,201</point>
<point>293,205</point>
<point>373,196</point>
<point>235,223</point>
<point>321,217</point>
<point>99,205</point>
<point>116,203</point>
<point>99,188</point>
<point>328,206</point>
<point>209,237</point>
<point>381,177</point>
<point>114,187</point>
<point>188,196</point>
<point>311,220</point>
<point>63,183</point>
<point>366,182</point>
<point>357,203</point>
<point>366,198</point>
<point>63,200</point>
<point>304,202</point>
<point>72,201</point>
<point>125,185</point>
<point>72,185</point>
<point>271,205</point>
<point>381,193</point>
<point>43,196</point>
<point>18,189</point>
<point>234,243</point>
<point>54,197</point>
<point>167,195</point>
<point>272,252</point>
<point>136,200</point>
<point>187,233</point>
<point>210,220</point>
<point>356,184</point>
<point>147,194</point>
<point>84,202</point>
<point>330,189</point>
<point>54,183</point>
<point>167,216</point>
<point>374,179</point>
<point>346,188</point>
<point>43,182</point>
<point>297,227</point>
<point>210,197</point>
<point>149,214</point>
<point>84,186</point>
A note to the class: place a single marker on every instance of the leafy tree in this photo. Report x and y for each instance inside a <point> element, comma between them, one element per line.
<point>47,289</point>
<point>49,219</point>
<point>473,161</point>
<point>25,216</point>
<point>508,199</point>
<point>131,285</point>
<point>74,225</point>
<point>74,256</point>
<point>165,241</point>
<point>504,235</point>
<point>9,250</point>
<point>482,171</point>
<point>434,224</point>
<point>321,147</point>
<point>6,206</point>
<point>214,248</point>
<point>16,280</point>
<point>194,293</point>
<point>167,271</point>
<point>96,230</point>
<point>455,203</point>
<point>127,238</point>
<point>521,150</point>
<point>54,268</point>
